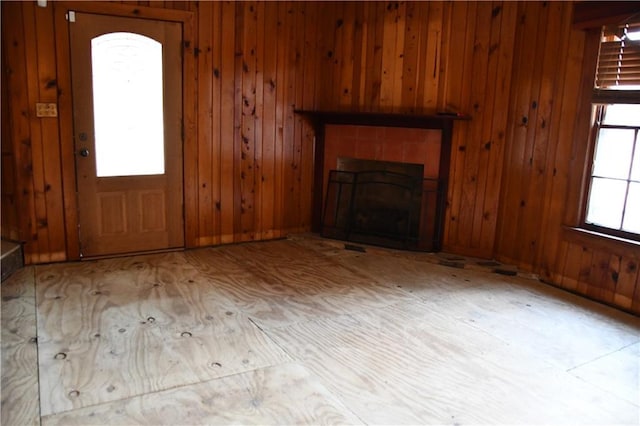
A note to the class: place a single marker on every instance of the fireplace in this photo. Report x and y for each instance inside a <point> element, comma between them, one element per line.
<point>374,202</point>
<point>381,178</point>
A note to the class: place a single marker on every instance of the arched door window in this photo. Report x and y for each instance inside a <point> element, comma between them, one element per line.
<point>127,105</point>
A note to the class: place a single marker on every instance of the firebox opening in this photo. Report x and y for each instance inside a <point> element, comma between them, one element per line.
<point>377,202</point>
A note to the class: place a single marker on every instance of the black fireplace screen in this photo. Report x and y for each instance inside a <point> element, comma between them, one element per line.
<point>381,207</point>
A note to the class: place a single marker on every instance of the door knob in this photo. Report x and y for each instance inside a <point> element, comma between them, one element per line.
<point>84,152</point>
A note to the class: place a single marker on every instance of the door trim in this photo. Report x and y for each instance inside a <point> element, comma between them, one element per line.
<point>65,106</point>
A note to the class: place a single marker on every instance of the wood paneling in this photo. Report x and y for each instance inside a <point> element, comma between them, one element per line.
<point>249,164</point>
<point>513,67</point>
<point>9,211</point>
<point>547,134</point>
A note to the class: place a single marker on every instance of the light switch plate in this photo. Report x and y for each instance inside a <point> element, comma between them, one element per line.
<point>46,110</point>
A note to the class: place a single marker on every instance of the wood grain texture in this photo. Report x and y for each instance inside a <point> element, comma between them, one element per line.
<point>545,156</point>
<point>10,227</point>
<point>303,331</point>
<point>285,394</point>
<point>341,352</point>
<point>276,283</point>
<point>115,329</point>
<point>19,359</point>
<point>619,373</point>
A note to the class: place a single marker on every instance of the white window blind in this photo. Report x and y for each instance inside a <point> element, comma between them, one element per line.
<point>618,71</point>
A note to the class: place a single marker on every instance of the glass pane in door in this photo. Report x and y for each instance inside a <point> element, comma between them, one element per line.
<point>127,105</point>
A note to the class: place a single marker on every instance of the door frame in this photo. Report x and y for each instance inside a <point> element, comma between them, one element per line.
<point>65,107</point>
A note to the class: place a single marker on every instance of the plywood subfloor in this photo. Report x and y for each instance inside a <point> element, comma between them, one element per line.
<point>301,331</point>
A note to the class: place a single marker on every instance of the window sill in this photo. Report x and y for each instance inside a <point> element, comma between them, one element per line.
<point>614,245</point>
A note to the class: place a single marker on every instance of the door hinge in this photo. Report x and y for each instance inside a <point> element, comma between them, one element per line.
<point>71,16</point>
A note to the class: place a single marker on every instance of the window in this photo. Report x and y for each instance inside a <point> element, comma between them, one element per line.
<point>613,199</point>
<point>127,89</point>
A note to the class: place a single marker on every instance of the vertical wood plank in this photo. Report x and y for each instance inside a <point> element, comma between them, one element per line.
<point>626,283</point>
<point>326,48</point>
<point>206,153</point>
<point>311,75</point>
<point>40,229</point>
<point>584,271</point>
<point>281,52</point>
<point>572,267</point>
<point>216,43</point>
<point>259,123</point>
<point>239,145</point>
<point>299,136</point>
<point>562,131</point>
<point>289,134</point>
<point>374,54</point>
<point>48,92</point>
<point>413,24</point>
<point>554,274</point>
<point>481,99</point>
<point>525,160</point>
<point>424,62</point>
<point>227,132</point>
<point>190,135</point>
<point>359,54</point>
<point>247,121</point>
<point>548,244</point>
<point>488,112</point>
<point>600,285</point>
<point>438,22</point>
<point>499,119</point>
<point>389,55</point>
<point>443,35</point>
<point>513,201</point>
<point>452,83</point>
<point>345,45</point>
<point>267,176</point>
<point>459,99</point>
<point>399,56</point>
<point>540,122</point>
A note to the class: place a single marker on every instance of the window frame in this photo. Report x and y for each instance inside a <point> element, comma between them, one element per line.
<point>598,110</point>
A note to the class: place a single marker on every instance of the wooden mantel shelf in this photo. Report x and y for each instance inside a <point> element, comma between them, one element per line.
<point>421,121</point>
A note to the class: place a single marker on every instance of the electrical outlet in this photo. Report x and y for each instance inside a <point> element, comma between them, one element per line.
<point>46,110</point>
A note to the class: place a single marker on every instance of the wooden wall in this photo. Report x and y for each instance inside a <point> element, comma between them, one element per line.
<point>9,214</point>
<point>514,67</point>
<point>544,162</point>
<point>256,61</point>
<point>36,211</point>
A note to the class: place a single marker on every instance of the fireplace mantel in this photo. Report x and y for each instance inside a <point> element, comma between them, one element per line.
<point>319,119</point>
<point>420,121</point>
